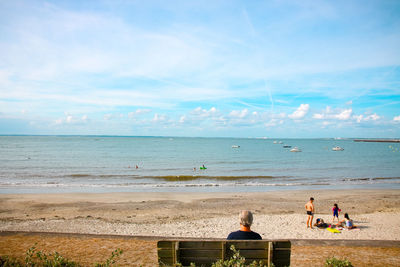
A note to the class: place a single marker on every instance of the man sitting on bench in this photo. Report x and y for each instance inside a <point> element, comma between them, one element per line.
<point>246,219</point>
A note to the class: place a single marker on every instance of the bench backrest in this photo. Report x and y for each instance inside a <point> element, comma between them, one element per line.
<point>207,252</point>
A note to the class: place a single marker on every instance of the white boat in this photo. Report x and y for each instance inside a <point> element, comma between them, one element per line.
<point>275,142</point>
<point>295,149</point>
<point>235,146</point>
<point>337,148</point>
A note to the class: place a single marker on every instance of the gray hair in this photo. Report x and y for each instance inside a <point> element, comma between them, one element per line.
<point>246,218</point>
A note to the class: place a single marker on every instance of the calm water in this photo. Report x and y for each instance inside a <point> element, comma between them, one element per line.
<point>107,164</point>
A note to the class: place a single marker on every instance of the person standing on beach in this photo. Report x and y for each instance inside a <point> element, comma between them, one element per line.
<point>335,211</point>
<point>310,212</point>
<point>246,220</point>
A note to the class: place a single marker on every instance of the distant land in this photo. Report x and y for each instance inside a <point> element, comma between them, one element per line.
<point>378,140</point>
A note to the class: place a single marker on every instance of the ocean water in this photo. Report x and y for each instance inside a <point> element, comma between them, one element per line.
<point>51,164</point>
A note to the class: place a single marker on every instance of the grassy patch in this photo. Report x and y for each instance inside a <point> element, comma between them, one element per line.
<point>35,258</point>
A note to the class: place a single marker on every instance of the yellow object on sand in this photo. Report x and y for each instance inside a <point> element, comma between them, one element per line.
<point>333,230</point>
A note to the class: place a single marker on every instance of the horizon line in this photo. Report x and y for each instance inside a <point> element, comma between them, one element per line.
<point>171,136</point>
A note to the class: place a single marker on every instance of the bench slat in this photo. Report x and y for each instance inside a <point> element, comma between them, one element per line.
<point>164,244</point>
<point>166,262</point>
<point>198,261</point>
<point>200,244</point>
<point>256,254</point>
<point>166,253</point>
<point>199,253</point>
<point>247,245</point>
<point>282,244</point>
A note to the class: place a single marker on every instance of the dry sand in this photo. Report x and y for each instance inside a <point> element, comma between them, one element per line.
<point>277,215</point>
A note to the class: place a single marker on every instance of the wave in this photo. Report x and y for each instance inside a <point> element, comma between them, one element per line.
<point>176,178</point>
<point>202,184</point>
<point>149,185</point>
<point>79,175</point>
<point>183,177</point>
<point>370,179</point>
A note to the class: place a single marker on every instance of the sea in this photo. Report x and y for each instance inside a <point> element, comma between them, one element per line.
<point>100,164</point>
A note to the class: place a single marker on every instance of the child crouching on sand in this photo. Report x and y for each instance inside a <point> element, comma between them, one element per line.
<point>347,222</point>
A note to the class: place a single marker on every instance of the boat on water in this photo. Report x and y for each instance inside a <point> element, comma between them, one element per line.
<point>275,142</point>
<point>286,146</point>
<point>337,148</point>
<point>235,146</point>
<point>295,149</point>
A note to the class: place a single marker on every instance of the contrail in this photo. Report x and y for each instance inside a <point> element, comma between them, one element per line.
<point>254,35</point>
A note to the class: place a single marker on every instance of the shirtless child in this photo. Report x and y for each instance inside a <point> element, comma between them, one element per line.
<point>310,212</point>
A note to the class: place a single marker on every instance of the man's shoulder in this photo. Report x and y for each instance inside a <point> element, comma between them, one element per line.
<point>241,235</point>
<point>256,235</point>
<point>234,234</point>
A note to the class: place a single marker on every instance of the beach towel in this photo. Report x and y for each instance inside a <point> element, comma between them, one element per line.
<point>333,230</point>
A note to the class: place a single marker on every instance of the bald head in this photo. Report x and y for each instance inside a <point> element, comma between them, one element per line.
<point>246,218</point>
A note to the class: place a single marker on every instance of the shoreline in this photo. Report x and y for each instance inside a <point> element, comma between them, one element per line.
<point>207,188</point>
<point>277,215</point>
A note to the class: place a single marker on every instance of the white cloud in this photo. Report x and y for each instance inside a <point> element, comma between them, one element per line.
<point>199,115</point>
<point>344,115</point>
<point>273,123</point>
<point>70,119</point>
<point>240,114</point>
<point>301,111</point>
<point>329,114</point>
<point>203,113</point>
<point>281,115</point>
<point>373,117</point>
<point>160,118</point>
<point>138,112</point>
<point>111,116</point>
<point>358,118</point>
<point>244,118</point>
<point>142,111</point>
<point>318,116</point>
<point>182,119</point>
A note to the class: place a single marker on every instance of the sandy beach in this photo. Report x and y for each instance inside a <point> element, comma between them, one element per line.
<point>277,215</point>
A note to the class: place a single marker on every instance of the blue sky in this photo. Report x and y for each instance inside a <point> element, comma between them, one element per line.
<point>279,68</point>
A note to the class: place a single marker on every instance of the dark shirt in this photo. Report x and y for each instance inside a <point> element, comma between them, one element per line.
<point>242,235</point>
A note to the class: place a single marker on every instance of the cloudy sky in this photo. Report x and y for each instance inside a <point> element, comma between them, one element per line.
<point>275,68</point>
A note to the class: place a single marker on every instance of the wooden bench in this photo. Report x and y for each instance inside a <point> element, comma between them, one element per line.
<point>206,252</point>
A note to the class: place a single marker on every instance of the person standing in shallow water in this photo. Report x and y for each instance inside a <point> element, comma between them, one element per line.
<point>246,220</point>
<point>310,212</point>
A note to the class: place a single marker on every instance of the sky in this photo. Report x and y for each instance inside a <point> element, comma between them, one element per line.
<point>273,68</point>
